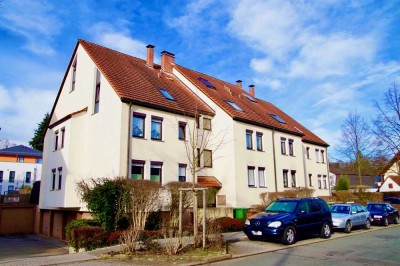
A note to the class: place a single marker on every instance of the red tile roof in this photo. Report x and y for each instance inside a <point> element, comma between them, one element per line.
<point>134,81</point>
<point>396,179</point>
<point>209,181</point>
<point>257,113</point>
<point>386,168</point>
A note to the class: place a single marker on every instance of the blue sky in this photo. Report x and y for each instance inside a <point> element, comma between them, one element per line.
<point>316,60</point>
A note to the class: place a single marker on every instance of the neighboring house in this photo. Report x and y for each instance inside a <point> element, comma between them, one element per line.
<point>19,166</point>
<point>117,115</point>
<point>333,179</point>
<point>391,184</point>
<point>392,168</point>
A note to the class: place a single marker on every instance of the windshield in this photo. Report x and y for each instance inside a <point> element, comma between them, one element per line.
<point>340,209</point>
<point>282,206</point>
<point>375,207</point>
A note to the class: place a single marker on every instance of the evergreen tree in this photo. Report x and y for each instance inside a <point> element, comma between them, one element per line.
<point>38,139</point>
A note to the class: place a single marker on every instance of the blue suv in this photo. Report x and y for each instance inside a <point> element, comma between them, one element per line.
<point>285,219</point>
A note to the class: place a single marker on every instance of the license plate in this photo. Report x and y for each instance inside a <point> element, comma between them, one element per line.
<point>256,233</point>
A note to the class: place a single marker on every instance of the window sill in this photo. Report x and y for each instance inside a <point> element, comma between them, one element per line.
<point>159,140</point>
<point>252,186</point>
<point>250,149</point>
<point>263,187</point>
<point>137,137</point>
<point>208,166</point>
<point>260,150</point>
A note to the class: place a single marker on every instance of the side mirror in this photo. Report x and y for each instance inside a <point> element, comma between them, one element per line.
<point>302,212</point>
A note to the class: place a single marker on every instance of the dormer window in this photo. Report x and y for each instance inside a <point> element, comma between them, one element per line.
<point>250,98</point>
<point>207,83</point>
<point>166,94</point>
<point>277,118</point>
<point>234,106</point>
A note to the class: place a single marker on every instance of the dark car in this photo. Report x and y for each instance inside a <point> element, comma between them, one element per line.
<point>383,213</point>
<point>285,219</point>
<point>392,200</point>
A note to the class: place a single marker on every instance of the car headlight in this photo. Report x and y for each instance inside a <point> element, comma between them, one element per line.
<point>377,216</point>
<point>275,224</point>
<point>247,222</point>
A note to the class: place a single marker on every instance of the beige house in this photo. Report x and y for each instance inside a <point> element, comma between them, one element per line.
<point>117,115</point>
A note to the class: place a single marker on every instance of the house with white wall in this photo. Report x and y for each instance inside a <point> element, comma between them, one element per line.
<point>118,115</point>
<point>19,166</point>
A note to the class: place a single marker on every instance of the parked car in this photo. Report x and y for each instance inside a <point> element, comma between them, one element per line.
<point>383,213</point>
<point>348,216</point>
<point>392,200</point>
<point>285,219</point>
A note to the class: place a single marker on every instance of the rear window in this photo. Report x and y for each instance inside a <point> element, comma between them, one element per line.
<point>282,206</point>
<point>375,207</point>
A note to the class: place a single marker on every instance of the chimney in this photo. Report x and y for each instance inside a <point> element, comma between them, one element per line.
<point>167,59</point>
<point>251,91</point>
<point>239,83</point>
<point>150,55</point>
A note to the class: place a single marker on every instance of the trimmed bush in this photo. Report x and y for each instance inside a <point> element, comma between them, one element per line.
<point>76,224</point>
<point>228,224</point>
<point>88,238</point>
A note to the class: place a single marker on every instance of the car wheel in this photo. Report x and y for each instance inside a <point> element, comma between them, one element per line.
<point>367,224</point>
<point>289,235</point>
<point>326,230</point>
<point>385,222</point>
<point>396,220</point>
<point>347,228</point>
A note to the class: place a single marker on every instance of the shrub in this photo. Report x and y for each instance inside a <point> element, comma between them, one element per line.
<point>76,224</point>
<point>268,197</point>
<point>343,183</point>
<point>344,196</point>
<point>114,238</point>
<point>228,224</point>
<point>88,238</point>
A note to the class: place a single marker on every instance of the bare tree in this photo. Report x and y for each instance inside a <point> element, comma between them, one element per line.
<point>386,125</point>
<point>355,141</point>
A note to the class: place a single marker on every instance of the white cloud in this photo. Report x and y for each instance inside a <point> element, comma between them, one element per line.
<point>263,65</point>
<point>120,40</point>
<point>21,110</point>
<point>34,20</point>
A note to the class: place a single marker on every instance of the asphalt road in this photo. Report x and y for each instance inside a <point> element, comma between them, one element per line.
<point>379,247</point>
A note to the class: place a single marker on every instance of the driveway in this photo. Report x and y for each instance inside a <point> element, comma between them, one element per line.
<point>15,247</point>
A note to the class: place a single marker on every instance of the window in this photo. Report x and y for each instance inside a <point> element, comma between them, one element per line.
<point>317,155</point>
<point>319,182</point>
<point>285,178</point>
<point>28,177</point>
<point>250,98</point>
<point>38,160</point>
<point>206,123</point>
<point>390,185</point>
<point>138,125</point>
<point>73,74</point>
<point>1,176</point>
<point>206,82</point>
<point>325,183</point>
<point>10,188</point>
<point>259,143</point>
<point>293,174</point>
<point>198,157</point>
<point>137,169</point>
<point>156,127</point>
<point>11,177</point>
<point>249,139</point>
<point>197,121</point>
<point>182,172</point>
<point>207,158</point>
<point>261,176</point>
<point>21,159</point>
<point>234,106</point>
<point>283,146</point>
<point>182,130</point>
<point>97,92</point>
<point>291,152</point>
<point>53,183</point>
<point>250,176</point>
<point>166,94</point>
<point>308,152</point>
<point>56,140</point>
<point>155,171</point>
<point>59,178</point>
<point>62,137</point>
<point>310,179</point>
<point>322,157</point>
<point>277,118</point>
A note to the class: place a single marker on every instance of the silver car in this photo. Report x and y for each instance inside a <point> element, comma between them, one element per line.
<point>347,216</point>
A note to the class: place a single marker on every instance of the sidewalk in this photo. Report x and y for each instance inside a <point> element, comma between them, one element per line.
<point>238,246</point>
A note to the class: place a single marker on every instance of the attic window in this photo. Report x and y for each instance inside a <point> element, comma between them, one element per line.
<point>166,94</point>
<point>277,118</point>
<point>250,98</point>
<point>207,83</point>
<point>233,105</point>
